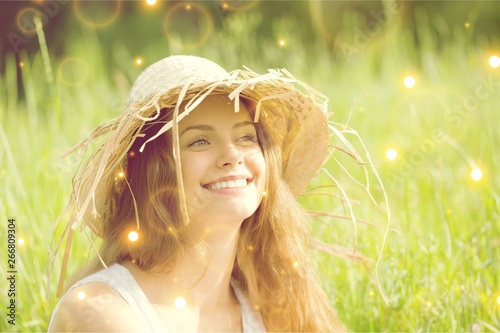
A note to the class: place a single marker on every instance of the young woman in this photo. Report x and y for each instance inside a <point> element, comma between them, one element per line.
<point>193,194</point>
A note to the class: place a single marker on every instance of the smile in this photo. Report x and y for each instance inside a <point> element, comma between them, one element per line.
<point>228,184</point>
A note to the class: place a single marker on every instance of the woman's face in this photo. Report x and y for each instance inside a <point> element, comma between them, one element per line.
<point>223,167</point>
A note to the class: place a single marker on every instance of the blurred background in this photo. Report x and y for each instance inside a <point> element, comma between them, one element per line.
<point>419,81</point>
<point>346,27</point>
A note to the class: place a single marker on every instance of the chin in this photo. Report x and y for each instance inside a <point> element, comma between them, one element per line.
<point>224,214</point>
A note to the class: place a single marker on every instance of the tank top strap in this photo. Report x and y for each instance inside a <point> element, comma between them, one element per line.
<point>123,283</point>
<point>251,318</point>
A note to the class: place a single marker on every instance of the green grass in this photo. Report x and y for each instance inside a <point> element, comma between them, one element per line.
<point>440,270</point>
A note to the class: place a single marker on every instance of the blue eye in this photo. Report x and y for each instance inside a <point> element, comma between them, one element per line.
<point>199,142</point>
<point>247,140</point>
<point>248,137</point>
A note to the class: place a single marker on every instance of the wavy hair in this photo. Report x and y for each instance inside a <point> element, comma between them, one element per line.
<point>272,253</point>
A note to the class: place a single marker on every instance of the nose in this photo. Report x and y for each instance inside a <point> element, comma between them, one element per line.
<point>229,156</point>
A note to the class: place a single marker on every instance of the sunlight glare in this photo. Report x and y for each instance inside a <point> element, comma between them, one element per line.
<point>494,61</point>
<point>409,82</point>
<point>180,303</point>
<point>391,154</point>
<point>476,174</point>
<point>133,236</point>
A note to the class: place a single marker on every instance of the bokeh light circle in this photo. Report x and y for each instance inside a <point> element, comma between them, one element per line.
<point>82,16</point>
<point>133,236</point>
<point>240,5</point>
<point>391,154</point>
<point>20,241</point>
<point>73,71</point>
<point>189,25</point>
<point>26,15</point>
<point>476,174</point>
<point>379,25</point>
<point>409,82</point>
<point>279,319</point>
<point>494,61</point>
<point>138,61</point>
<point>180,303</point>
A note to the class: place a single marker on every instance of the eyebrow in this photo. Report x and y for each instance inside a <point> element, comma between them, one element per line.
<point>211,128</point>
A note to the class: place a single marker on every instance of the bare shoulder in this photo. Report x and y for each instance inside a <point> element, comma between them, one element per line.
<point>95,307</point>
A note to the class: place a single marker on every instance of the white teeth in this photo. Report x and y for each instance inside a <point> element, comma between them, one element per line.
<point>228,184</point>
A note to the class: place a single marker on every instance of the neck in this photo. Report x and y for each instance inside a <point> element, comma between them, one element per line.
<point>205,282</point>
<point>200,284</point>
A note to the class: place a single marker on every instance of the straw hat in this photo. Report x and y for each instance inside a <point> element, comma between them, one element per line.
<point>293,114</point>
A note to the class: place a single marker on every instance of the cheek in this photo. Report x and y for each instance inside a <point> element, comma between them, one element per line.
<point>191,170</point>
<point>258,164</point>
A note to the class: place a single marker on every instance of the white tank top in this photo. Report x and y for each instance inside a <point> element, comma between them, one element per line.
<point>123,283</point>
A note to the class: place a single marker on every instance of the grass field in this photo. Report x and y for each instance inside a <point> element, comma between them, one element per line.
<point>440,267</point>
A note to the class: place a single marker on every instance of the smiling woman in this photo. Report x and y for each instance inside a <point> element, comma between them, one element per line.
<point>204,167</point>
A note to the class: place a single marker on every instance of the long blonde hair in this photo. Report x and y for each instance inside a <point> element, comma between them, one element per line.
<point>272,254</point>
